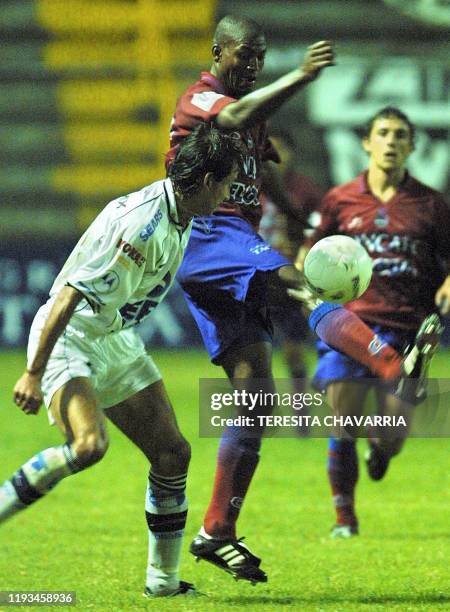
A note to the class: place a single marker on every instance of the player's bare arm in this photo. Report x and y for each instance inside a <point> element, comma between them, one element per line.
<point>260,104</point>
<point>273,186</point>
<point>27,391</point>
<point>442,298</point>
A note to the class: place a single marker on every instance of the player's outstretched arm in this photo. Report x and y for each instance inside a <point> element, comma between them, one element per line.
<point>27,391</point>
<point>442,297</point>
<point>260,104</point>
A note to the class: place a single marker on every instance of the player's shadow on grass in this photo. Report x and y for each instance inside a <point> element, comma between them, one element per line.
<point>416,598</point>
<point>416,536</point>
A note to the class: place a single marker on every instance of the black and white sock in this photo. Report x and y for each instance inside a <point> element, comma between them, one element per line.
<point>35,478</point>
<point>166,511</point>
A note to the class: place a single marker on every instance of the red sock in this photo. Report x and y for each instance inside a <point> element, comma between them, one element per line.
<point>346,332</point>
<point>236,464</point>
<point>343,476</point>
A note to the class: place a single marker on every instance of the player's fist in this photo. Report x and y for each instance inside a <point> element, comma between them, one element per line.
<point>318,56</point>
<point>27,393</point>
<point>442,297</point>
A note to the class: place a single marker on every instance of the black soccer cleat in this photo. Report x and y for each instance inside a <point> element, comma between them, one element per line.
<point>377,462</point>
<point>412,387</point>
<point>184,588</point>
<point>230,555</point>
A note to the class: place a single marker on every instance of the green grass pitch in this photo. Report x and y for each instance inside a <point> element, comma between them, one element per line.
<point>89,535</point>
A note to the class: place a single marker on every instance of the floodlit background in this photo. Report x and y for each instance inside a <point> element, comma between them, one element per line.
<point>88,88</point>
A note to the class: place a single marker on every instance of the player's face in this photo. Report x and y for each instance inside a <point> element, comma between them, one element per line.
<point>220,190</point>
<point>216,192</point>
<point>240,63</point>
<point>389,143</point>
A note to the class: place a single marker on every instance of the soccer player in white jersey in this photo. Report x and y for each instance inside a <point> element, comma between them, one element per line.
<point>85,360</point>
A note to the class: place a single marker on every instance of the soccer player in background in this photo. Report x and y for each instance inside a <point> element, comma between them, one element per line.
<point>405,226</point>
<point>227,265</point>
<point>286,236</point>
<point>85,360</point>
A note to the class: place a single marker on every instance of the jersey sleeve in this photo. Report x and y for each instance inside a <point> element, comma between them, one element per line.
<point>202,106</point>
<point>115,269</point>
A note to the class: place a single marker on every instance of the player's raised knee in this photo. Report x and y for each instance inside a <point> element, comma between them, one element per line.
<point>90,448</point>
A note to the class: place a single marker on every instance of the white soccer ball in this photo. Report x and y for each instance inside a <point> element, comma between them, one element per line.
<point>338,269</point>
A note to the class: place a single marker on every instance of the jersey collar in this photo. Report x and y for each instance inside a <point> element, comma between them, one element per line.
<point>172,209</point>
<point>212,81</point>
<point>171,202</point>
<point>363,185</point>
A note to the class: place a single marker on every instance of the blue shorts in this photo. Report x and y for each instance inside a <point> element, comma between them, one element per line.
<point>334,366</point>
<point>224,276</point>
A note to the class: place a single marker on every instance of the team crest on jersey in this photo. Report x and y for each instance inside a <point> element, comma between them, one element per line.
<point>107,283</point>
<point>382,218</point>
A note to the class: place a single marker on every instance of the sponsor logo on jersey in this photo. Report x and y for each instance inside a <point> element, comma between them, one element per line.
<point>150,228</point>
<point>107,283</point>
<point>375,346</point>
<point>134,313</point>
<point>244,195</point>
<point>260,248</point>
<point>131,252</point>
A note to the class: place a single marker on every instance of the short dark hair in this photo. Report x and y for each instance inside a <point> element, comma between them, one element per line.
<point>205,149</point>
<point>232,27</point>
<point>390,111</point>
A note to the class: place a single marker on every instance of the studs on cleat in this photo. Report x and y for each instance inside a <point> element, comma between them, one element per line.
<point>417,359</point>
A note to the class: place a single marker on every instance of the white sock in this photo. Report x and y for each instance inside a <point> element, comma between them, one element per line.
<point>205,535</point>
<point>35,478</point>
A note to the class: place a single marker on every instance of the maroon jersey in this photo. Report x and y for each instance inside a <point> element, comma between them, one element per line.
<point>407,239</point>
<point>202,102</point>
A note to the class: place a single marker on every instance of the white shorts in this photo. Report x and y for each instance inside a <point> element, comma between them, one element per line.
<point>117,364</point>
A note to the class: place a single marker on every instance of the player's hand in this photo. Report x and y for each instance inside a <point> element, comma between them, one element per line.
<point>305,297</point>
<point>318,56</point>
<point>299,262</point>
<point>27,393</point>
<point>442,297</point>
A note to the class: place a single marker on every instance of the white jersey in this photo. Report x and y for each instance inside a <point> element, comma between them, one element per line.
<point>126,260</point>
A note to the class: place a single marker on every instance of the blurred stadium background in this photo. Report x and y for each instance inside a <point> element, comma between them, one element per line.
<point>88,88</point>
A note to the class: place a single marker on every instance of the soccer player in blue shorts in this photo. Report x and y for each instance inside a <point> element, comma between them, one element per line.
<point>227,265</point>
<point>286,236</point>
<point>404,225</point>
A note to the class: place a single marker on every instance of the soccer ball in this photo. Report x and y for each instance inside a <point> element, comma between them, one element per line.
<point>338,269</point>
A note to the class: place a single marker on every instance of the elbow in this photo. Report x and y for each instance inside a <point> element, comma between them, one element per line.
<point>231,121</point>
